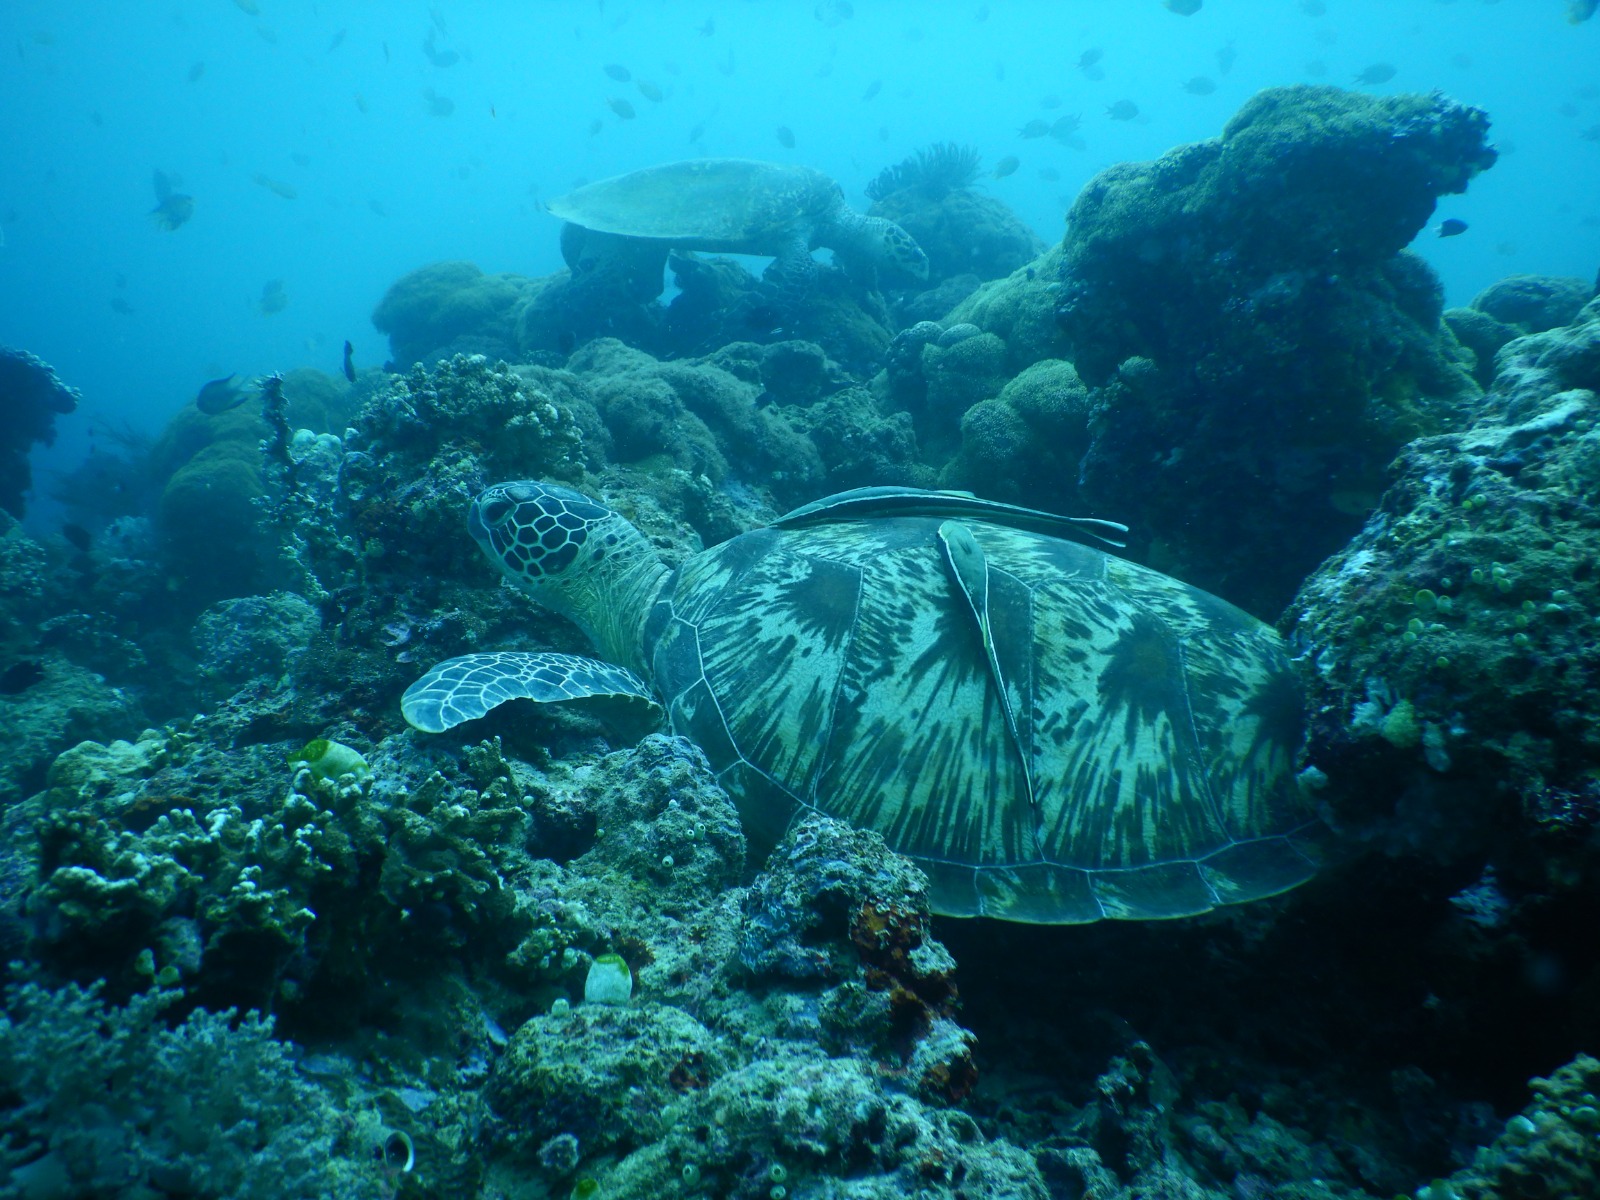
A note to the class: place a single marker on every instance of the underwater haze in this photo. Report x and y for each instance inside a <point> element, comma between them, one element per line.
<point>335,146</point>
<point>843,600</point>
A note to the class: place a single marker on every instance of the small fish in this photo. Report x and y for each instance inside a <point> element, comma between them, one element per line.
<point>173,212</point>
<point>1122,110</point>
<point>336,41</point>
<point>1006,166</point>
<point>1591,134</point>
<point>649,91</point>
<point>707,27</point>
<point>873,89</point>
<point>1377,73</point>
<point>121,307</point>
<point>195,71</point>
<point>1200,85</point>
<point>618,72</point>
<point>1036,128</point>
<point>1313,8</point>
<point>1226,57</point>
<point>1049,174</point>
<point>1184,8</point>
<point>1064,127</point>
<point>220,395</point>
<point>438,106</point>
<point>19,677</point>
<point>248,7</point>
<point>1452,227</point>
<point>596,126</point>
<point>273,298</point>
<point>1090,57</point>
<point>785,137</point>
<point>385,51</point>
<point>981,15</point>
<point>276,186</point>
<point>300,159</point>
<point>697,132</point>
<point>377,208</point>
<point>361,102</point>
<point>349,362</point>
<point>622,108</point>
<point>833,12</point>
<point>77,536</point>
<point>438,57</point>
<point>1579,11</point>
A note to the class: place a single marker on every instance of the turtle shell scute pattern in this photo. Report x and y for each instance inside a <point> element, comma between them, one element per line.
<point>836,668</point>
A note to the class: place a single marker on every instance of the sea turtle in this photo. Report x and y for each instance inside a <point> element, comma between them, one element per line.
<point>1054,734</point>
<point>730,206</point>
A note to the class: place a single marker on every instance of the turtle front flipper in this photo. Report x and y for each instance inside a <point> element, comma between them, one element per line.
<point>465,688</point>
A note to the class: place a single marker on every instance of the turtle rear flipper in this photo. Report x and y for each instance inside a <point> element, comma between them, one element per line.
<point>465,688</point>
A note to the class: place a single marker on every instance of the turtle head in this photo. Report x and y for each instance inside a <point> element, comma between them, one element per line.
<point>574,555</point>
<point>900,251</point>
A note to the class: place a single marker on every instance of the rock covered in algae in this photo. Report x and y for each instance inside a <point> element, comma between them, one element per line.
<point>446,308</point>
<point>1244,304</point>
<point>1451,640</point>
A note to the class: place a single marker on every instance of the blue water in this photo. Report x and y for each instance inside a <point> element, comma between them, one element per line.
<point>334,99</point>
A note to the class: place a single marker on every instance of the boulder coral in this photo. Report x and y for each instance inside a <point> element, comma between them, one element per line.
<point>1258,343</point>
<point>447,308</point>
<point>31,398</point>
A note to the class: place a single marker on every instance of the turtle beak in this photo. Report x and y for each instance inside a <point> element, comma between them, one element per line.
<point>475,525</point>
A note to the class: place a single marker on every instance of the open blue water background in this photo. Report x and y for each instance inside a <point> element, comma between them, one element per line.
<point>336,99</point>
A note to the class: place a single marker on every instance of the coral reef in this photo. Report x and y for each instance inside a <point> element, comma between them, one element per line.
<point>110,1101</point>
<point>1257,343</point>
<point>31,397</point>
<point>449,308</point>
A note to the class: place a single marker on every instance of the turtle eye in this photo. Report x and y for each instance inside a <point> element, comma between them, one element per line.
<point>495,511</point>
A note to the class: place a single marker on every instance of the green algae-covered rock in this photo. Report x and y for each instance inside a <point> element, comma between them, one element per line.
<point>449,306</point>
<point>1020,310</point>
<point>1027,440</point>
<point>608,1074</point>
<point>1258,344</point>
<point>1453,638</point>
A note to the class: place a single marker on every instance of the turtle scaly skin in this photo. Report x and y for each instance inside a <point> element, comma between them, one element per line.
<point>1053,734</point>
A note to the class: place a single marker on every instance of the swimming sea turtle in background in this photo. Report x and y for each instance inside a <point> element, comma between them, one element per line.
<point>731,206</point>
<point>1052,733</point>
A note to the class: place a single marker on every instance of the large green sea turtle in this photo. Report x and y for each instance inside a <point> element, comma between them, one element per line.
<point>1052,733</point>
<point>732,206</point>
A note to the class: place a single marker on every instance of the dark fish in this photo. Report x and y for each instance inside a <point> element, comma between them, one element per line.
<point>438,57</point>
<point>1184,8</point>
<point>1035,128</point>
<point>785,137</point>
<point>220,395</point>
<point>336,41</point>
<point>622,108</point>
<point>1376,73</point>
<point>618,72</point>
<point>1452,227</point>
<point>1007,166</point>
<point>385,51</point>
<point>77,537</point>
<point>121,306</point>
<point>982,14</point>
<point>1226,58</point>
<point>195,71</point>
<point>438,106</point>
<point>349,362</point>
<point>1313,8</point>
<point>1090,57</point>
<point>707,28</point>
<point>1064,127</point>
<point>649,91</point>
<point>273,298</point>
<point>697,132</point>
<point>1199,86</point>
<point>19,677</point>
<point>1123,110</point>
<point>1049,174</point>
<point>873,89</point>
<point>174,211</point>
